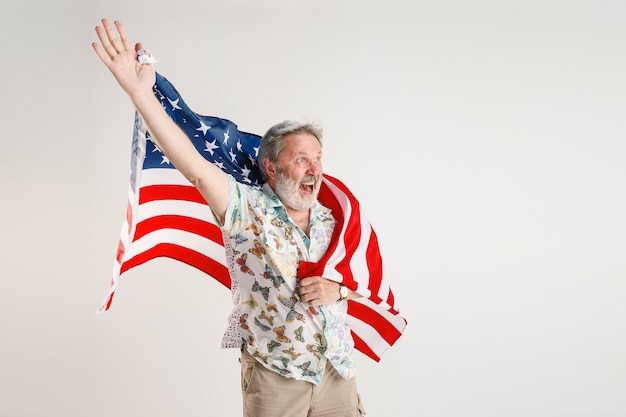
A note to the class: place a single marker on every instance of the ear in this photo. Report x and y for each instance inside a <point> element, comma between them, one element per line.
<point>270,168</point>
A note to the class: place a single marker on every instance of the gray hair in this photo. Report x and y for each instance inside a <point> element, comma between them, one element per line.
<point>272,143</point>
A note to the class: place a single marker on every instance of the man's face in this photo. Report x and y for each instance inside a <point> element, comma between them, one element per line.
<point>299,171</point>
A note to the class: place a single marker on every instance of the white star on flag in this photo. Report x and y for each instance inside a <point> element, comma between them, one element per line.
<point>210,146</point>
<point>174,104</point>
<point>203,128</point>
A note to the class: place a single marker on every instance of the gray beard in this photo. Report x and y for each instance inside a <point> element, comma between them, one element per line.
<point>288,192</point>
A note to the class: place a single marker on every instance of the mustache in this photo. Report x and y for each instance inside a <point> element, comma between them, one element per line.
<point>310,178</point>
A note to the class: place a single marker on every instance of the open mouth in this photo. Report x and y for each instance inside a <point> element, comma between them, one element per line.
<point>307,186</point>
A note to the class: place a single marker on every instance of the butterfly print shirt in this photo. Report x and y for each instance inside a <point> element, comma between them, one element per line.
<point>264,247</point>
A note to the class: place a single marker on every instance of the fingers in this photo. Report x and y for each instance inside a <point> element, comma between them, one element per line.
<point>125,39</point>
<point>318,291</point>
<point>307,290</point>
<point>112,45</point>
<point>104,57</point>
<point>113,41</point>
<point>101,50</point>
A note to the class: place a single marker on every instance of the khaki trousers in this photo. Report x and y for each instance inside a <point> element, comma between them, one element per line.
<point>268,394</point>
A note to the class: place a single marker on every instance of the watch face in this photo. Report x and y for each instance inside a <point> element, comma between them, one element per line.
<point>343,291</point>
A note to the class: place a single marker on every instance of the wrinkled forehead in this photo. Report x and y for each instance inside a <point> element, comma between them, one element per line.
<point>301,143</point>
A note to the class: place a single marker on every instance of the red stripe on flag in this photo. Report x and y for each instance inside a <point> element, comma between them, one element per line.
<point>390,301</point>
<point>109,301</point>
<point>384,328</point>
<point>204,263</point>
<point>375,267</point>
<point>170,192</point>
<point>187,224</point>
<point>360,345</point>
<point>328,199</point>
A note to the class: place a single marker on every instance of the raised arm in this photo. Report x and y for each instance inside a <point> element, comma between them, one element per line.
<point>136,79</point>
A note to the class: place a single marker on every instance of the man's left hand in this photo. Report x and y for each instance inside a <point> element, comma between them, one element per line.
<point>318,291</point>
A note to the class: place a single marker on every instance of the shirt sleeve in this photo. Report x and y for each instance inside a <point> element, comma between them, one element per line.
<point>236,217</point>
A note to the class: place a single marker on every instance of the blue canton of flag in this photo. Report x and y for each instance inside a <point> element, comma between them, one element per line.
<point>218,140</point>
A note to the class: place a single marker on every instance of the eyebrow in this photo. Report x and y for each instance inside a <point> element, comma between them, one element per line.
<point>303,153</point>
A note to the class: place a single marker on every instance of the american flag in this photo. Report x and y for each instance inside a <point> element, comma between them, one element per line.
<point>167,217</point>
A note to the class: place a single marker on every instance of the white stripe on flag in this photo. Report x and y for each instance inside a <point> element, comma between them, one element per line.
<point>188,240</point>
<point>160,176</point>
<point>175,207</point>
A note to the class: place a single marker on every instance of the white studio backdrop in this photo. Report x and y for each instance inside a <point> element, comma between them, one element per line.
<point>485,140</point>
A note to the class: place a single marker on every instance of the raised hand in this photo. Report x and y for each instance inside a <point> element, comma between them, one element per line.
<point>120,57</point>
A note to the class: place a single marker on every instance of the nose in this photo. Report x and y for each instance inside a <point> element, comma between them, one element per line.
<point>315,168</point>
